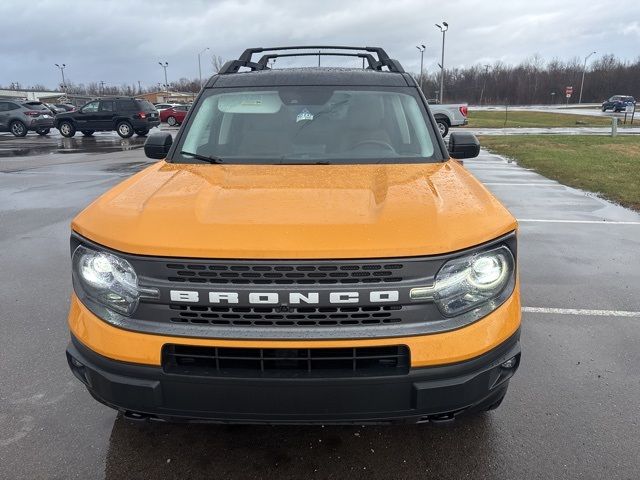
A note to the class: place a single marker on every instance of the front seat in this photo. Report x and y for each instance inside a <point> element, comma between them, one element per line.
<point>364,122</point>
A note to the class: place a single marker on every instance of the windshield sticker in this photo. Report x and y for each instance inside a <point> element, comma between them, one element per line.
<point>304,115</point>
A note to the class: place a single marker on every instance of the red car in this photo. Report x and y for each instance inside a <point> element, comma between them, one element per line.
<point>174,115</point>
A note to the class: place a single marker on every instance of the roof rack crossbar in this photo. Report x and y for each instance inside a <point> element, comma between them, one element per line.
<point>263,63</point>
<point>245,60</point>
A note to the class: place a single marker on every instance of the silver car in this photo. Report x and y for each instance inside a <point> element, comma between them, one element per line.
<point>20,117</point>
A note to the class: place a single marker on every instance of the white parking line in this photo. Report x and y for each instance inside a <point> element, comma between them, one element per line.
<point>580,311</point>
<point>530,184</point>
<point>601,222</point>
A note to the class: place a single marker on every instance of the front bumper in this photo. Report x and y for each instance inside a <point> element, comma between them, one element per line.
<point>433,393</point>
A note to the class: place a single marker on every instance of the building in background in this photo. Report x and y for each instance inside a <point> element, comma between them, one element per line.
<point>168,97</point>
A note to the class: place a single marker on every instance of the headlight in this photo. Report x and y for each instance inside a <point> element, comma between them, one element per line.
<point>106,279</point>
<point>476,281</point>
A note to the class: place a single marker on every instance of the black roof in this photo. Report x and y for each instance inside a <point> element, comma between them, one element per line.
<point>260,74</point>
<point>312,76</point>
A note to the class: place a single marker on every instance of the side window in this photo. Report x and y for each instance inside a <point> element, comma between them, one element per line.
<point>90,107</point>
<point>126,105</point>
<point>12,106</point>
<point>106,106</point>
<point>4,106</point>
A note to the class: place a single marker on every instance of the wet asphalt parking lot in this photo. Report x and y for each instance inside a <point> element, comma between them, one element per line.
<point>572,410</point>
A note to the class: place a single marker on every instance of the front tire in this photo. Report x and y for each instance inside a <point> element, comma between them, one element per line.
<point>124,129</point>
<point>18,128</point>
<point>142,132</point>
<point>172,121</point>
<point>43,131</point>
<point>67,129</point>
<point>443,126</point>
<point>88,133</point>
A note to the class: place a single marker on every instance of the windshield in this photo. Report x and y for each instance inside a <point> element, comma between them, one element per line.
<point>314,124</point>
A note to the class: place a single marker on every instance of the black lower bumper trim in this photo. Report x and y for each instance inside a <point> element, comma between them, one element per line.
<point>423,394</point>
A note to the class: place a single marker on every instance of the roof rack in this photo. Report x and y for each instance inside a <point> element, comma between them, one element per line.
<point>233,66</point>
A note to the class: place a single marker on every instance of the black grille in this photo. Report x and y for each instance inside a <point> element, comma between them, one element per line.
<point>285,362</point>
<point>285,274</point>
<point>293,317</point>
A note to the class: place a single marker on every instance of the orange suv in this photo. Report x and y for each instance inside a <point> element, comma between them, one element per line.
<point>306,250</point>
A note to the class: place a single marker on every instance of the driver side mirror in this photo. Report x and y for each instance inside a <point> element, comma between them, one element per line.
<point>157,145</point>
<point>463,145</point>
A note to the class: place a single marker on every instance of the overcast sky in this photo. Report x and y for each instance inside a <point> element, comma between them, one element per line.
<point>122,41</point>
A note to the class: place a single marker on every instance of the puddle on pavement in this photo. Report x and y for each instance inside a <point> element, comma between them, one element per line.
<point>25,147</point>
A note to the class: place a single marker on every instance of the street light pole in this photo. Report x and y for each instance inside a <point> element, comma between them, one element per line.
<point>484,82</point>
<point>166,83</point>
<point>421,48</point>
<point>443,28</point>
<point>199,66</point>
<point>64,83</point>
<point>584,69</point>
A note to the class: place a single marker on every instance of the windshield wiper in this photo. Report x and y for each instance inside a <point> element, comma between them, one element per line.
<point>204,158</point>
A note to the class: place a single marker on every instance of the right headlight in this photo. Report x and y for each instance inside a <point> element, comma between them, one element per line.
<point>106,279</point>
<point>480,281</point>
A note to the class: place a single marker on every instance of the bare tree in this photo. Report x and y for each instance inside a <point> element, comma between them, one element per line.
<point>217,62</point>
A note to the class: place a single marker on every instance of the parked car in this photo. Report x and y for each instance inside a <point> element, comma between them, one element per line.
<point>125,115</point>
<point>174,115</point>
<point>54,109</point>
<point>618,103</point>
<point>447,116</point>
<point>307,250</point>
<point>67,107</point>
<point>163,106</point>
<point>20,117</point>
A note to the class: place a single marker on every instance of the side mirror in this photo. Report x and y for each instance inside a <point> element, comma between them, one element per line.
<point>463,145</point>
<point>157,145</point>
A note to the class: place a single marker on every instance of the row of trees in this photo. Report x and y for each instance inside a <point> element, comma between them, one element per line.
<point>535,81</point>
<point>186,85</point>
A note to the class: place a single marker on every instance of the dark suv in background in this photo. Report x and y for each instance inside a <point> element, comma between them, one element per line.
<point>124,115</point>
<point>20,117</point>
<point>618,103</point>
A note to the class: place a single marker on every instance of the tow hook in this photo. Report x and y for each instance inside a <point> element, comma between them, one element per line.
<point>443,419</point>
<point>136,416</point>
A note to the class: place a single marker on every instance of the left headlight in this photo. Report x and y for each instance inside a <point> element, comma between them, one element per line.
<point>106,279</point>
<point>481,281</point>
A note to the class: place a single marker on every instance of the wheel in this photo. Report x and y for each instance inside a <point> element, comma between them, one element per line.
<point>88,133</point>
<point>604,109</point>
<point>443,126</point>
<point>43,131</point>
<point>18,128</point>
<point>172,121</point>
<point>142,132</point>
<point>124,129</point>
<point>67,129</point>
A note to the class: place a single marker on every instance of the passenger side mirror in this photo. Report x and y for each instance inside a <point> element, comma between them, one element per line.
<point>463,145</point>
<point>157,145</point>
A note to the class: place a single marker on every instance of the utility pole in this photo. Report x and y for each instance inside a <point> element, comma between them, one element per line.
<point>64,83</point>
<point>443,28</point>
<point>139,88</point>
<point>200,66</point>
<point>584,69</point>
<point>484,82</point>
<point>166,83</point>
<point>421,48</point>
<point>101,87</point>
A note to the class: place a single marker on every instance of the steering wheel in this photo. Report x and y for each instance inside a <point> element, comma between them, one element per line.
<point>380,143</point>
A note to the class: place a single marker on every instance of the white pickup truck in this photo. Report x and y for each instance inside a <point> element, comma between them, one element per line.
<point>447,116</point>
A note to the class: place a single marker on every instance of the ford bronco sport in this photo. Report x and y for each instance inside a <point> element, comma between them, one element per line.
<point>307,250</point>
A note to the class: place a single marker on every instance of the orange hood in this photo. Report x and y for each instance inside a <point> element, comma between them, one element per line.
<point>295,211</point>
